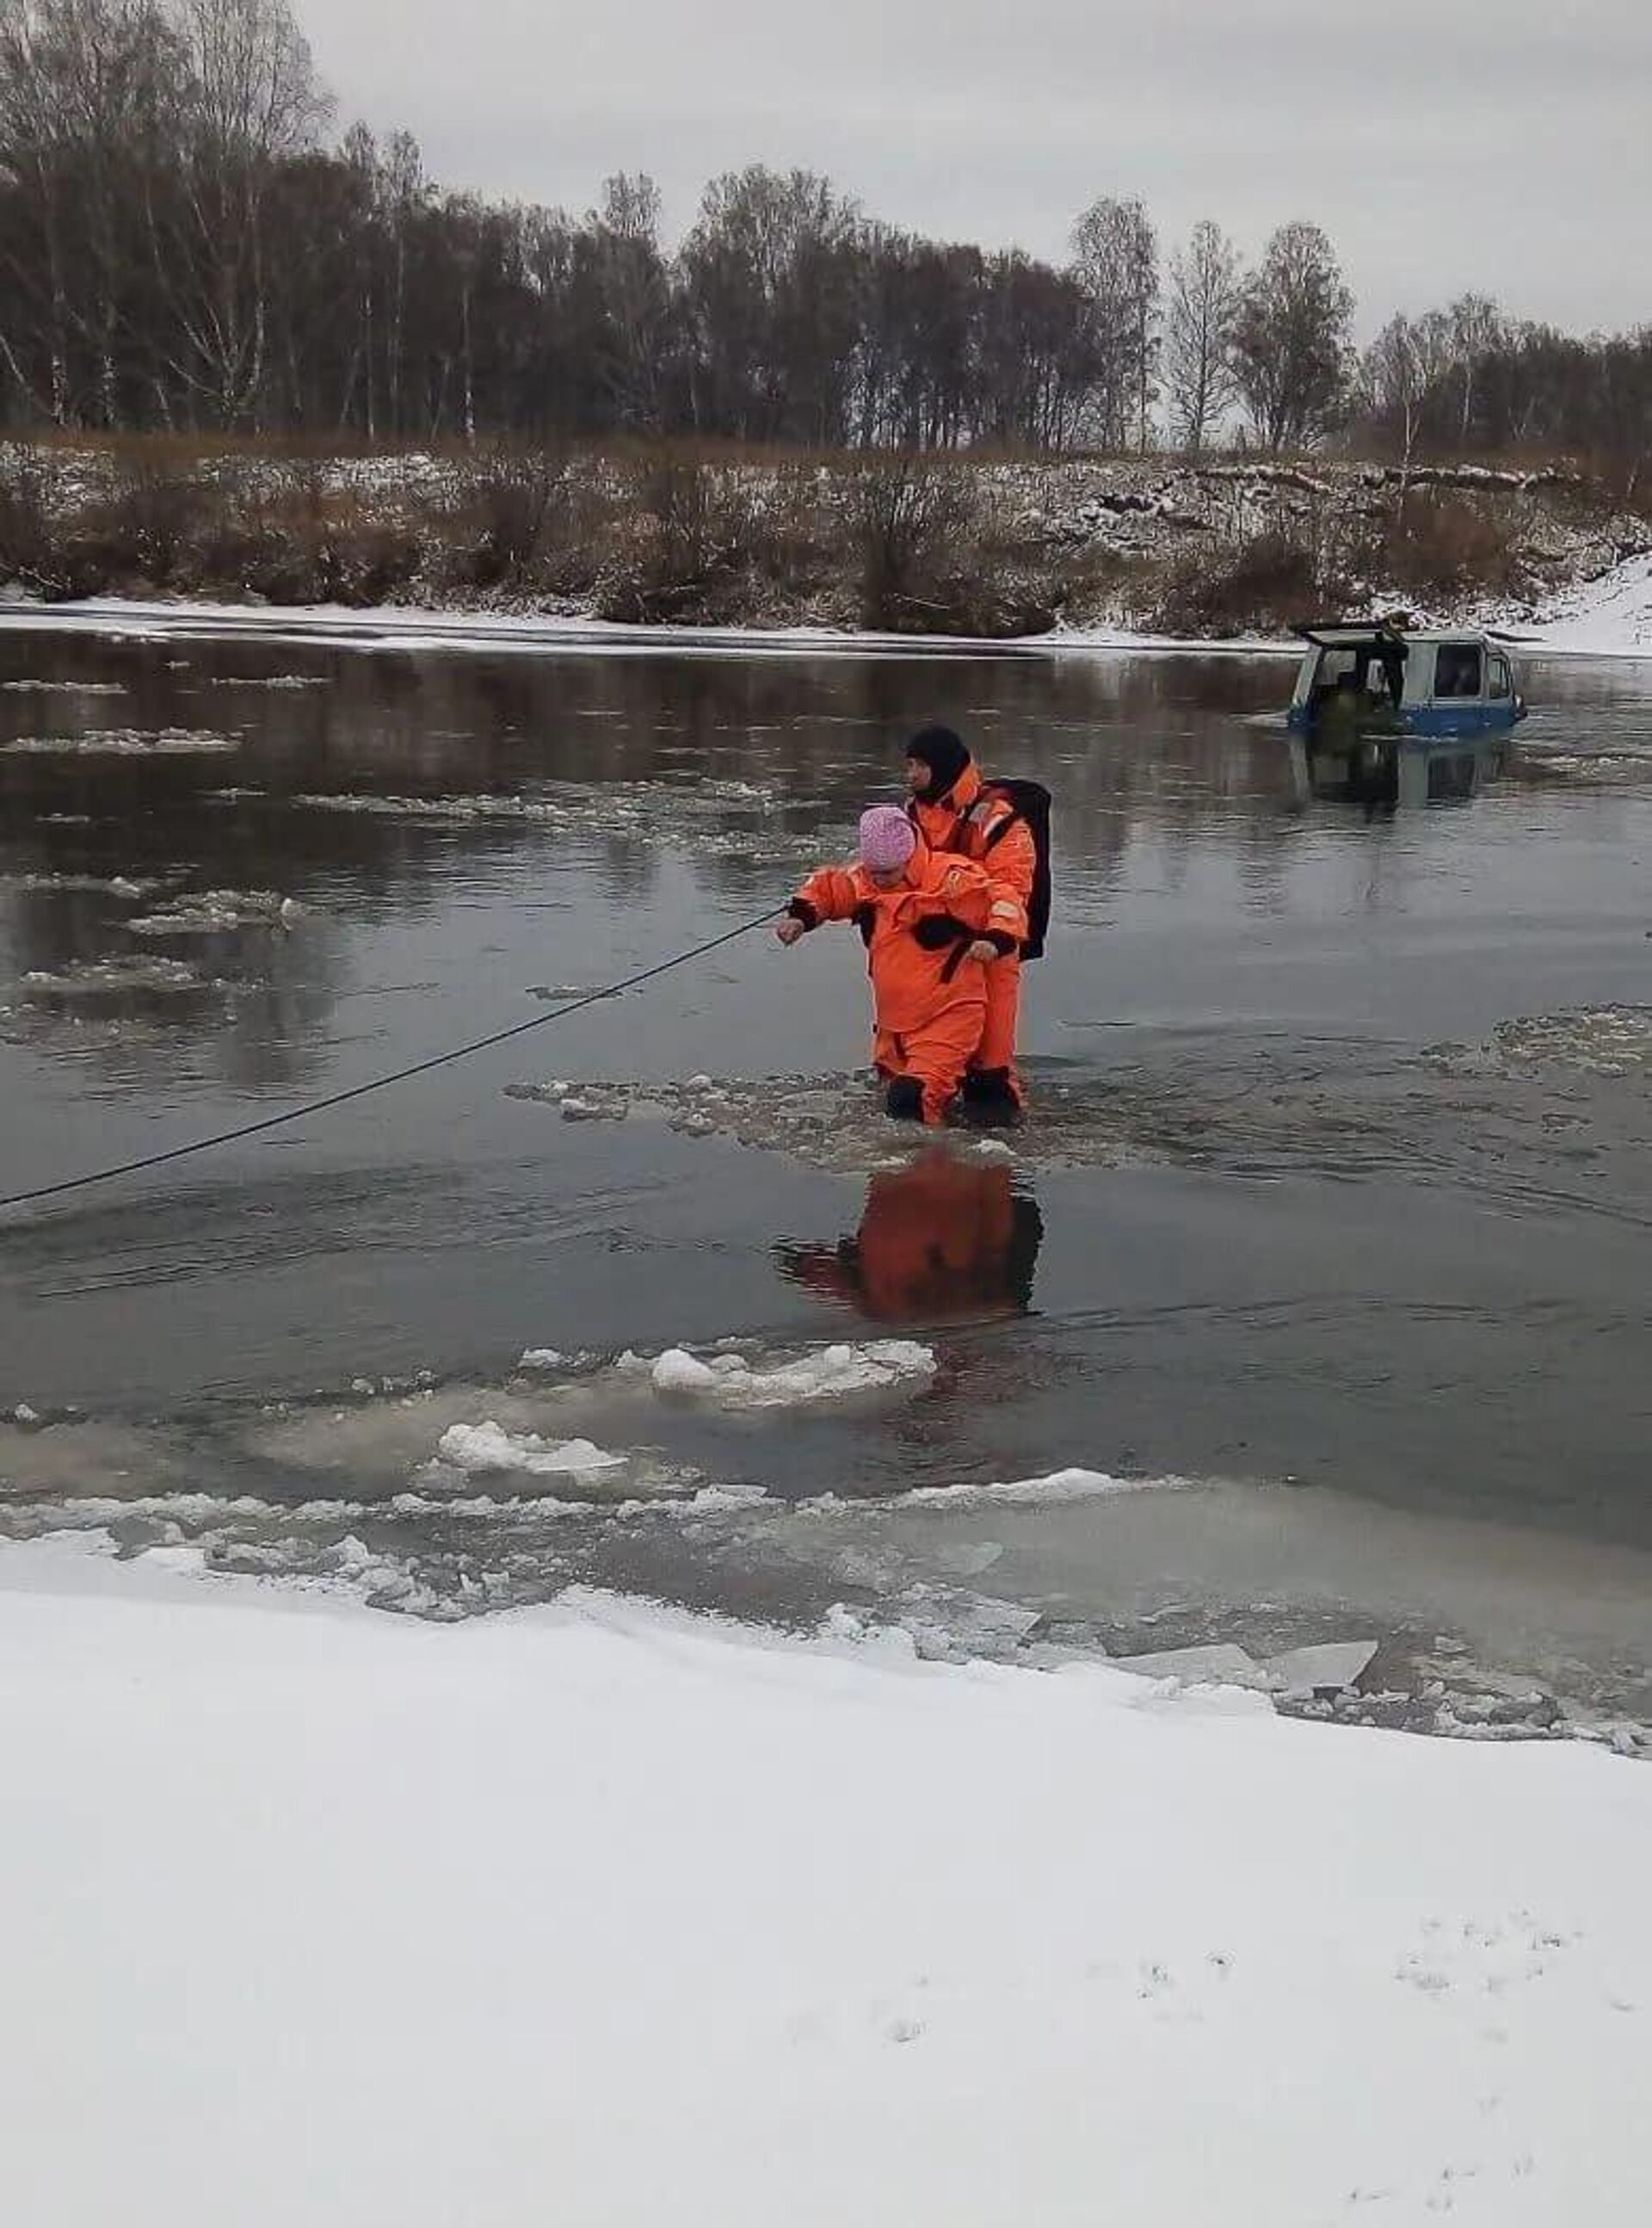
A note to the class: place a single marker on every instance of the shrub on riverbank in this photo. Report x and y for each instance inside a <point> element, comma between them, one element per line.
<point>682,534</point>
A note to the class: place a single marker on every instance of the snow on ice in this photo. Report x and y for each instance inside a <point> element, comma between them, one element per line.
<point>833,1372</point>
<point>217,912</point>
<point>97,978</point>
<point>124,742</point>
<point>680,1923</point>
<point>485,1448</point>
<point>1027,1492</point>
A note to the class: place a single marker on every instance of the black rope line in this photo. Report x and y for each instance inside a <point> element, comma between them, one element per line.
<point>382,1082</point>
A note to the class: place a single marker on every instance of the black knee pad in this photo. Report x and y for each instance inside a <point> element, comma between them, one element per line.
<point>903,1101</point>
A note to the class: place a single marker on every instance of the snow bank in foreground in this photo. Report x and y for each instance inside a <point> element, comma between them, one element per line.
<point>678,1925</point>
<point>835,1373</point>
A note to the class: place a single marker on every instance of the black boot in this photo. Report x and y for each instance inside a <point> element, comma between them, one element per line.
<point>987,1101</point>
<point>903,1101</point>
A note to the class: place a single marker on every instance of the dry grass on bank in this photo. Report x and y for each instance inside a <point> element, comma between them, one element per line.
<point>720,534</point>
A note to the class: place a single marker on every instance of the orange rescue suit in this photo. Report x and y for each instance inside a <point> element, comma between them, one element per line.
<point>941,1240</point>
<point>929,997</point>
<point>973,823</point>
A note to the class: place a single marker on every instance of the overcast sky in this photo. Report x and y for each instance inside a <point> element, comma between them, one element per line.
<point>1505,145</point>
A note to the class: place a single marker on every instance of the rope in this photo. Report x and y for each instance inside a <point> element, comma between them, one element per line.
<point>382,1082</point>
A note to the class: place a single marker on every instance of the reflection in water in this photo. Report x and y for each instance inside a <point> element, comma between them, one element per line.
<point>448,773</point>
<point>395,798</point>
<point>941,1240</point>
<point>1339,1130</point>
<point>1388,773</point>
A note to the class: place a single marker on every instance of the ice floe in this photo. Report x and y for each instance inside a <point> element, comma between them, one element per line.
<point>1061,1485</point>
<point>264,681</point>
<point>125,742</point>
<point>64,688</point>
<point>98,978</point>
<point>130,886</point>
<point>1597,1040</point>
<point>486,1449</point>
<point>217,911</point>
<point>832,1373</point>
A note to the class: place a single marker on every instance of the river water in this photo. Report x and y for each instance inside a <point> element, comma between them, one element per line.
<point>1329,1232</point>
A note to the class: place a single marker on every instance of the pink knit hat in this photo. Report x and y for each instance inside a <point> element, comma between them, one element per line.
<point>888,839</point>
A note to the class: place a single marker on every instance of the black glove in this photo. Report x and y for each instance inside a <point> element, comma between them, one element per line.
<point>938,930</point>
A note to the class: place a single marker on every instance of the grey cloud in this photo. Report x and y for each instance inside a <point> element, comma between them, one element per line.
<point>1442,144</point>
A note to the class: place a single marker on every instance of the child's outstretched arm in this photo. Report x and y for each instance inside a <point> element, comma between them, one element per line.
<point>828,894</point>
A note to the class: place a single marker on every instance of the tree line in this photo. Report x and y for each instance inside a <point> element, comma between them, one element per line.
<point>183,247</point>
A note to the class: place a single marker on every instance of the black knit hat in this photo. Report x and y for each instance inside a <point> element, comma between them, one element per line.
<point>945,754</point>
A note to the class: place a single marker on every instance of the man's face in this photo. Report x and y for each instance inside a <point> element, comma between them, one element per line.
<point>917,776</point>
<point>888,878</point>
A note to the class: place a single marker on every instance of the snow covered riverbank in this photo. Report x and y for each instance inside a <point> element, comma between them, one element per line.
<point>1609,616</point>
<point>605,1916</point>
<point>1079,553</point>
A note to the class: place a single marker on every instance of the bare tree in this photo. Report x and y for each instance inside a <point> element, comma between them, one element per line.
<point>632,299</point>
<point>1290,339</point>
<point>1396,390</point>
<point>254,101</point>
<point>87,109</point>
<point>769,286</point>
<point>34,163</point>
<point>177,247</point>
<point>402,193</point>
<point>1402,375</point>
<point>913,518</point>
<point>1199,334</point>
<point>1116,259</point>
<point>1477,327</point>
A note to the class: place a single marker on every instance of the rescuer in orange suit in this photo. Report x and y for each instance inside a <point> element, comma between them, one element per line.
<point>957,813</point>
<point>942,1239</point>
<point>924,921</point>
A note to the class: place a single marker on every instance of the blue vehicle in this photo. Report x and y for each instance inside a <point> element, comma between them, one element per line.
<point>1369,698</point>
<point>1380,679</point>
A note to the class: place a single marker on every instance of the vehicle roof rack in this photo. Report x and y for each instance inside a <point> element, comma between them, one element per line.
<point>1331,634</point>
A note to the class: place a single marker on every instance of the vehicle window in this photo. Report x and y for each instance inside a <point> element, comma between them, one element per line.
<point>1457,669</point>
<point>1502,681</point>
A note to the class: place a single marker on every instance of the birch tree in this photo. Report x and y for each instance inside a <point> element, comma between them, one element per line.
<point>1115,260</point>
<point>254,101</point>
<point>1204,301</point>
<point>1290,339</point>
